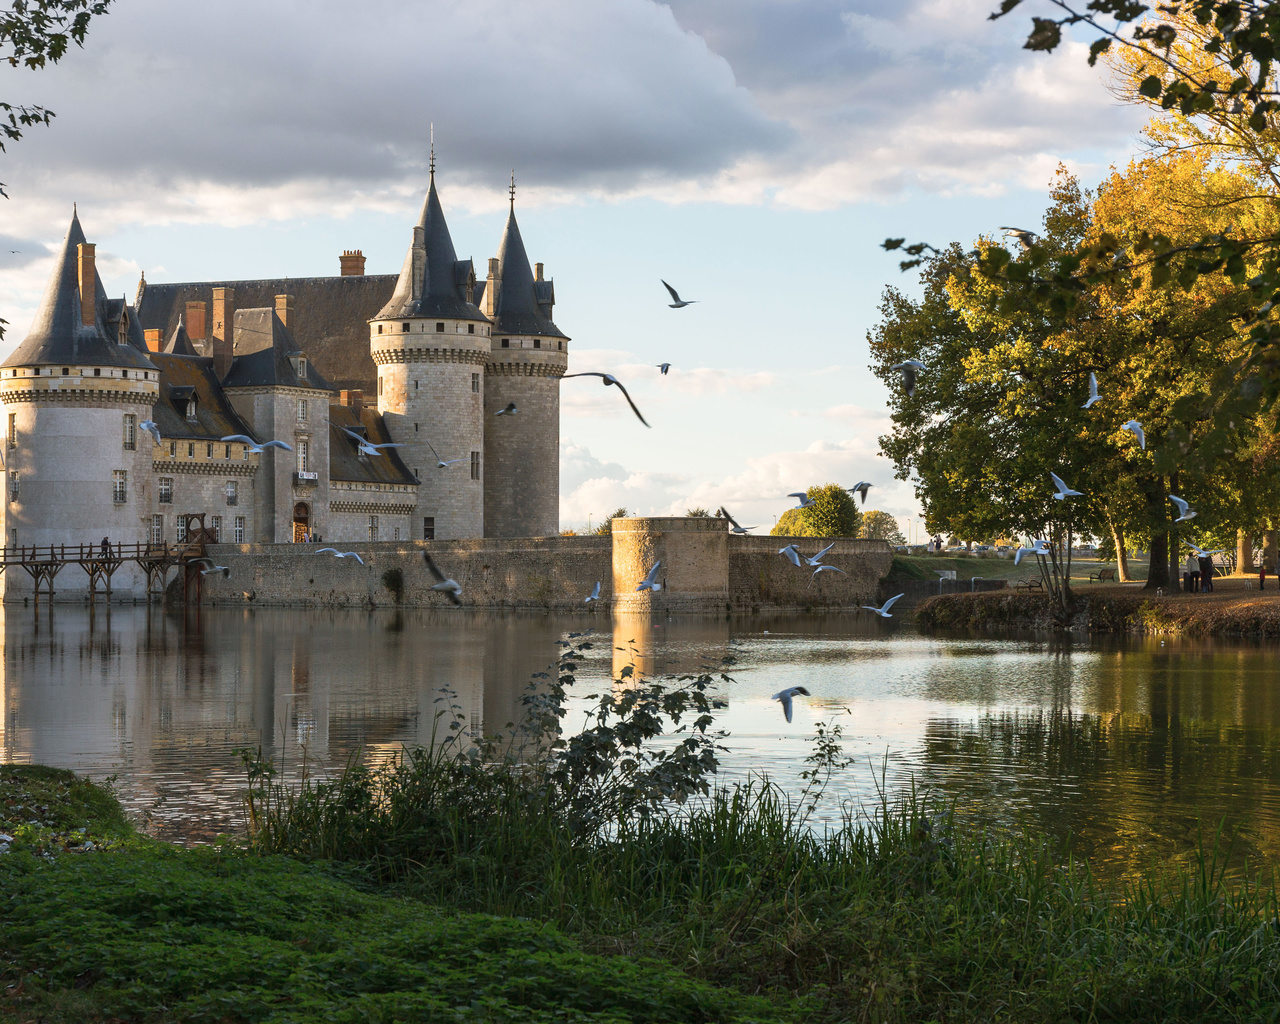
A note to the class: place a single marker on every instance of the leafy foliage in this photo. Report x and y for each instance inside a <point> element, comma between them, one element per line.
<point>606,526</point>
<point>834,513</point>
<point>877,525</point>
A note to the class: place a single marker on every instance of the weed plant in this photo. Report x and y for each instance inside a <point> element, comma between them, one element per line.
<point>898,915</point>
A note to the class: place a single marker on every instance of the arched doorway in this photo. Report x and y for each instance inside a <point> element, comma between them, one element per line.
<point>301,522</point>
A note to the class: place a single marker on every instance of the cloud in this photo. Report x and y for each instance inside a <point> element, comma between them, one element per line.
<point>591,489</point>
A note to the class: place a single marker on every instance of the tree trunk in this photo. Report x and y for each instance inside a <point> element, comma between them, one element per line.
<point>1175,544</point>
<point>1269,548</point>
<point>1158,565</point>
<point>1244,552</point>
<point>1122,556</point>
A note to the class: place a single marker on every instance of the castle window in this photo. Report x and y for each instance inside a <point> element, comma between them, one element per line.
<point>395,534</point>
<point>173,449</point>
<point>244,453</point>
<point>217,529</point>
<point>119,486</point>
<point>404,328</point>
<point>428,527</point>
<point>302,456</point>
<point>471,328</point>
<point>379,385</point>
<point>226,452</point>
<point>415,428</point>
<point>166,490</point>
<point>131,433</point>
<point>302,367</point>
<point>233,493</point>
<point>191,449</point>
<point>302,410</point>
<point>97,371</point>
<point>14,486</point>
<point>373,527</point>
<point>537,343</point>
<point>66,372</point>
<point>439,328</point>
<point>182,529</point>
<point>475,465</point>
<point>238,534</point>
<point>157,530</point>
<point>13,430</point>
<point>475,383</point>
<point>415,385</point>
<point>506,342</point>
<point>191,409</point>
<point>379,328</point>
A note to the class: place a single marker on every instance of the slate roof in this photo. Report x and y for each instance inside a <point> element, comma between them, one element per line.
<point>57,334</point>
<point>522,305</point>
<point>180,342</point>
<point>261,354</point>
<point>443,282</point>
<point>345,460</point>
<point>330,315</point>
<point>182,376</point>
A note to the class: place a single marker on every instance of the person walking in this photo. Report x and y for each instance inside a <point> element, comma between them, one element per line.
<point>106,547</point>
<point>1191,578</point>
<point>1206,574</point>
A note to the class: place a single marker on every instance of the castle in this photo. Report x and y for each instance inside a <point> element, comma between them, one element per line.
<point>332,366</point>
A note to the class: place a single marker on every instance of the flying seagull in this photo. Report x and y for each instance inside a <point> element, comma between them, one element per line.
<point>664,367</point>
<point>908,370</point>
<point>1063,490</point>
<point>150,427</point>
<point>1204,554</point>
<point>254,446</point>
<point>676,301</point>
<point>650,581</point>
<point>1038,547</point>
<point>594,595</point>
<point>787,696</point>
<point>340,554</point>
<point>448,587</point>
<point>226,572</point>
<point>833,568</point>
<point>510,410</point>
<point>861,488</point>
<point>366,446</point>
<point>792,555</point>
<point>1183,507</point>
<point>1135,428</point>
<point>735,528</point>
<point>442,463</point>
<point>818,557</point>
<point>1025,238</point>
<point>883,610</point>
<point>804,499</point>
<point>610,379</point>
<point>1093,391</point>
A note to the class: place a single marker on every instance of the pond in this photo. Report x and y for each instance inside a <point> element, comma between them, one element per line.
<point>1129,748</point>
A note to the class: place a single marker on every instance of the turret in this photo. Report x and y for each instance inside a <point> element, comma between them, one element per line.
<point>77,465</point>
<point>430,344</point>
<point>528,357</point>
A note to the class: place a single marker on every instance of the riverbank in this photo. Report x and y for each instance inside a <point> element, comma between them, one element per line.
<point>729,913</point>
<point>1230,611</point>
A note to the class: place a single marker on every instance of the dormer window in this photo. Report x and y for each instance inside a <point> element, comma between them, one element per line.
<point>191,409</point>
<point>302,367</point>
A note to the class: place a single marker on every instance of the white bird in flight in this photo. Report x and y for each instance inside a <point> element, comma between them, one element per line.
<point>664,367</point>
<point>611,381</point>
<point>824,568</point>
<point>650,582</point>
<point>676,301</point>
<point>226,572</point>
<point>908,370</point>
<point>1025,238</point>
<point>1183,508</point>
<point>1093,391</point>
<point>883,610</point>
<point>253,446</point>
<point>509,410</point>
<point>444,584</point>
<point>861,488</point>
<point>442,463</point>
<point>734,527</point>
<point>151,428</point>
<point>800,496</point>
<point>816,559</point>
<point>785,697</point>
<point>1038,547</point>
<point>1063,490</point>
<point>1204,554</point>
<point>340,554</point>
<point>594,595</point>
<point>1135,428</point>
<point>792,555</point>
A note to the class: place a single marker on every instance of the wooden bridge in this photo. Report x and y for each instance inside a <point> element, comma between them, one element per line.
<point>101,561</point>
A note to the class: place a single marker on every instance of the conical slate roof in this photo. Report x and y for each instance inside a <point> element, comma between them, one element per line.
<point>435,282</point>
<point>57,334</point>
<point>263,346</point>
<point>520,302</point>
<point>180,342</point>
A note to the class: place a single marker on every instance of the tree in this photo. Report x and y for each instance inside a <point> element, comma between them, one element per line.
<point>606,527</point>
<point>697,513</point>
<point>832,514</point>
<point>877,525</point>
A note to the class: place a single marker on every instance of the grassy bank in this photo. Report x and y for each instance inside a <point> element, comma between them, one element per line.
<point>1226,613</point>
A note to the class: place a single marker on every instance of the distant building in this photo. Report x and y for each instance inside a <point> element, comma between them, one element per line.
<point>372,381</point>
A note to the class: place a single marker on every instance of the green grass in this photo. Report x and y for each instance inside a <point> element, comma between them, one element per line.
<point>921,567</point>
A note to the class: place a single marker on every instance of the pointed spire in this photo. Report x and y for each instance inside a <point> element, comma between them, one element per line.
<point>432,164</point>
<point>513,188</point>
<point>180,342</point>
<point>521,303</point>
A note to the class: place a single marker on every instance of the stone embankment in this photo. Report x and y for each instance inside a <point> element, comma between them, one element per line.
<point>1230,613</point>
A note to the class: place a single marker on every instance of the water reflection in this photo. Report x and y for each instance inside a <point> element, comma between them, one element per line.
<point>1122,747</point>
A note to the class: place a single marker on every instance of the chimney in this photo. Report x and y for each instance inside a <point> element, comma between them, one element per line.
<point>224,315</point>
<point>155,339</point>
<point>88,278</point>
<point>537,271</point>
<point>352,263</point>
<point>355,399</point>
<point>419,262</point>
<point>284,310</point>
<point>195,322</point>
<point>491,288</point>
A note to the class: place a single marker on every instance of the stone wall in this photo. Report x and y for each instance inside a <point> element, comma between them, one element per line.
<point>760,578</point>
<point>536,572</point>
<point>694,573</point>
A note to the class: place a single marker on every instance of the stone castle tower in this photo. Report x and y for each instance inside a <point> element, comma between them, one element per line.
<point>430,345</point>
<point>529,356</point>
<point>77,465</point>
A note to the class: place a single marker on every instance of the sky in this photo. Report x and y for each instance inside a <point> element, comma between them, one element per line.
<point>754,153</point>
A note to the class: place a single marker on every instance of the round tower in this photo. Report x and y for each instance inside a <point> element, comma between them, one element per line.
<point>528,357</point>
<point>75,392</point>
<point>430,344</point>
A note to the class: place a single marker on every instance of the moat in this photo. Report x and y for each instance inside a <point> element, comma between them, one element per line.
<point>1127,747</point>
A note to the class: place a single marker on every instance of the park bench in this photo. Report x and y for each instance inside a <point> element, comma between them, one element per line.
<point>1033,583</point>
<point>1103,576</point>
